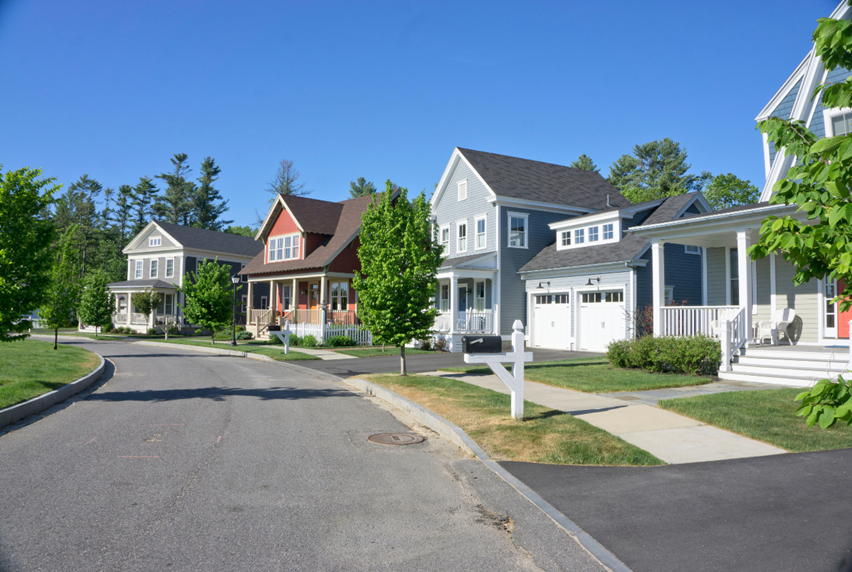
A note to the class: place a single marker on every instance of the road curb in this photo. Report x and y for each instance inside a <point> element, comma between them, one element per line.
<point>38,404</point>
<point>215,351</point>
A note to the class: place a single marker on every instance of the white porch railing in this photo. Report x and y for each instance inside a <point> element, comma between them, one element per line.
<point>161,319</point>
<point>478,322</point>
<point>693,320</point>
<point>443,321</point>
<point>259,316</point>
<point>139,319</point>
<point>119,319</point>
<point>324,331</point>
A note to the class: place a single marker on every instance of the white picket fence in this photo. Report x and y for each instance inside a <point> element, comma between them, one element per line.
<point>325,331</point>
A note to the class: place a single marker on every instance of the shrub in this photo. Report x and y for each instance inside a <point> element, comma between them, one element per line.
<point>152,331</point>
<point>340,342</point>
<point>275,340</point>
<point>173,330</point>
<point>691,355</point>
<point>618,353</point>
<point>440,344</point>
<point>426,344</point>
<point>310,341</point>
<point>244,335</point>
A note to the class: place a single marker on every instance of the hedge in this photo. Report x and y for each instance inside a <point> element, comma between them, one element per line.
<point>691,355</point>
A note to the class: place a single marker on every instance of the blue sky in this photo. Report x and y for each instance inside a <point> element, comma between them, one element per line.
<point>384,90</point>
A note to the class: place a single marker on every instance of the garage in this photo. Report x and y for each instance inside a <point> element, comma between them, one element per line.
<point>601,319</point>
<point>552,321</point>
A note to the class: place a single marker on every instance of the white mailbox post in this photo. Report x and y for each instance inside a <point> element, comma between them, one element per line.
<point>284,337</point>
<point>517,357</point>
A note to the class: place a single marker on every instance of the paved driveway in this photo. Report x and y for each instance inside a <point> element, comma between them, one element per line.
<point>769,514</point>
<point>184,461</point>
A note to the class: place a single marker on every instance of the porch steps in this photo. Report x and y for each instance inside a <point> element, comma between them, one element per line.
<point>794,368</point>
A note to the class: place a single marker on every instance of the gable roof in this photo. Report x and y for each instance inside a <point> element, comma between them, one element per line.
<point>202,239</point>
<point>310,215</point>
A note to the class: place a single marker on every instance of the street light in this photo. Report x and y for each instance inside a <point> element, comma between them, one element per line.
<point>234,280</point>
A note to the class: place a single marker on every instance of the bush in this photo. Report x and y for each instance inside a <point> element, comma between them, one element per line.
<point>173,330</point>
<point>690,355</point>
<point>340,342</point>
<point>244,335</point>
<point>426,344</point>
<point>152,331</point>
<point>310,341</point>
<point>440,344</point>
<point>275,340</point>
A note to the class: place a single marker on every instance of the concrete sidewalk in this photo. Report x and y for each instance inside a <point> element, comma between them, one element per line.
<point>322,354</point>
<point>668,436</point>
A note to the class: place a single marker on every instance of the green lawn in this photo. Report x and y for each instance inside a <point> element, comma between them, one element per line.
<point>275,352</point>
<point>765,415</point>
<point>31,368</point>
<point>376,352</point>
<point>594,375</point>
<point>545,436</point>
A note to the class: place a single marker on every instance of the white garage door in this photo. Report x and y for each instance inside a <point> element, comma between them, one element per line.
<point>602,320</point>
<point>551,321</point>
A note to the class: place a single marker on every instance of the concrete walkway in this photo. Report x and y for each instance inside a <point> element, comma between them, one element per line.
<point>322,354</point>
<point>668,436</point>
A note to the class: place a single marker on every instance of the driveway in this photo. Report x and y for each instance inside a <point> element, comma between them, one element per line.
<point>177,460</point>
<point>767,514</point>
<point>419,363</point>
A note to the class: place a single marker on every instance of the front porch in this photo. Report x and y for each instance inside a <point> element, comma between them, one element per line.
<point>126,315</point>
<point>467,302</point>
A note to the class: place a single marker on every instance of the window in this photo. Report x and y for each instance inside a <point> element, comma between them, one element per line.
<point>830,308</point>
<point>841,124</point>
<point>480,233</point>
<point>445,297</point>
<point>479,297</point>
<point>566,238</point>
<point>462,190</point>
<point>339,296</point>
<point>593,234</point>
<point>552,299</point>
<point>543,299</point>
<point>243,277</point>
<point>579,236</point>
<point>286,297</point>
<point>614,296</point>
<point>518,230</point>
<point>603,297</point>
<point>461,245</point>
<point>170,268</point>
<point>284,248</point>
<point>154,264</point>
<point>243,302</point>
<point>445,238</point>
<point>264,303</point>
<point>155,241</point>
<point>689,249</point>
<point>607,231</point>
<point>735,282</point>
<point>138,269</point>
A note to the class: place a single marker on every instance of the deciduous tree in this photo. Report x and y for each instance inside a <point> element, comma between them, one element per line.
<point>286,180</point>
<point>146,302</point>
<point>97,303</point>
<point>63,292</point>
<point>725,191</point>
<point>209,297</point>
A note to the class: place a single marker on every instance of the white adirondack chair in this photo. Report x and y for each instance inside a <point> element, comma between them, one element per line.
<point>778,324</point>
<point>717,325</point>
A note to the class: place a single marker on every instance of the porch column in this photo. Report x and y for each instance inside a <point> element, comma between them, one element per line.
<point>323,299</point>
<point>129,320</point>
<point>494,327</point>
<point>658,272</point>
<point>249,305</point>
<point>273,302</point>
<point>744,279</point>
<point>454,303</point>
<point>294,302</point>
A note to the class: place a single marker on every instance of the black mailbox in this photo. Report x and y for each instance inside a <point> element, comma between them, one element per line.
<point>482,344</point>
<point>274,328</point>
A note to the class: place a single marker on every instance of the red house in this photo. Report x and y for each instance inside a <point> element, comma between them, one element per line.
<point>309,258</point>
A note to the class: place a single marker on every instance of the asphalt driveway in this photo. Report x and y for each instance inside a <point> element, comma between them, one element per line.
<point>768,514</point>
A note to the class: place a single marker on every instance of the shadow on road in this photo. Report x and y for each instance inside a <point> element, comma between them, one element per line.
<point>220,394</point>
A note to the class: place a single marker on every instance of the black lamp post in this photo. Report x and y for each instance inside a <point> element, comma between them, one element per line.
<point>234,280</point>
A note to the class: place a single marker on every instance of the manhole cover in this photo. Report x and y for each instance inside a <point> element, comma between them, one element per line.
<point>396,438</point>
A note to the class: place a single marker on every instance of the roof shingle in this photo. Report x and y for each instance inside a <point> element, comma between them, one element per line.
<point>224,242</point>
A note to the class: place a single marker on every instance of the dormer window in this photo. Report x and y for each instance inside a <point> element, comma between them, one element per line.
<point>155,241</point>
<point>284,248</point>
<point>593,234</point>
<point>607,231</point>
<point>579,236</point>
<point>566,238</point>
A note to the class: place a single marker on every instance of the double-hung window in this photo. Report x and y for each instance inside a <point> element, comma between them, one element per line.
<point>593,234</point>
<point>518,230</point>
<point>566,238</point>
<point>461,240</point>
<point>579,236</point>
<point>480,233</point>
<point>154,264</point>
<point>445,238</point>
<point>170,268</point>
<point>842,124</point>
<point>284,248</point>
<point>445,297</point>
<point>138,274</point>
<point>607,231</point>
<point>339,296</point>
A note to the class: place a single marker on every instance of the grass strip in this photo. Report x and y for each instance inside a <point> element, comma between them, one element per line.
<point>31,368</point>
<point>765,415</point>
<point>544,436</point>
<point>275,352</point>
<point>594,375</point>
<point>377,352</point>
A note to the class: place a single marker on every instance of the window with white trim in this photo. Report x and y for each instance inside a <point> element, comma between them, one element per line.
<point>243,277</point>
<point>445,238</point>
<point>445,297</point>
<point>841,124</point>
<point>462,190</point>
<point>284,248</point>
<point>480,233</point>
<point>461,237</point>
<point>155,241</point>
<point>286,297</point>
<point>566,238</point>
<point>608,231</point>
<point>593,234</point>
<point>138,274</point>
<point>339,296</point>
<point>264,303</point>
<point>579,236</point>
<point>154,264</point>
<point>243,302</point>
<point>479,296</point>
<point>518,230</point>
<point>170,268</point>
<point>690,249</point>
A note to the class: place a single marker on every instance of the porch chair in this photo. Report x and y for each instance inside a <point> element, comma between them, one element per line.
<point>717,325</point>
<point>778,324</point>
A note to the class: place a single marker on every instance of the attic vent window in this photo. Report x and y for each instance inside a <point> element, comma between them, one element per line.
<point>155,241</point>
<point>462,190</point>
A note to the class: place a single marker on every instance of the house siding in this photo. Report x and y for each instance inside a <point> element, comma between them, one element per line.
<point>347,261</point>
<point>683,274</point>
<point>785,107</point>
<point>155,232</point>
<point>763,300</point>
<point>804,299</point>
<point>284,224</point>
<point>817,125</point>
<point>450,211</point>
<point>716,286</point>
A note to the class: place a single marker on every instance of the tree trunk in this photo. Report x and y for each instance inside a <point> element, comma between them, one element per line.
<point>55,337</point>
<point>402,361</point>
<point>213,337</point>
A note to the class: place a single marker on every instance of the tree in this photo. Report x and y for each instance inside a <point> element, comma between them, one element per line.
<point>25,238</point>
<point>655,170</point>
<point>97,302</point>
<point>63,292</point>
<point>585,162</point>
<point>176,204</point>
<point>399,266</point>
<point>144,198</point>
<point>242,230</point>
<point>361,188</point>
<point>820,183</point>
<point>208,203</point>
<point>725,191</point>
<point>77,207</point>
<point>209,297</point>
<point>286,181</point>
<point>146,302</point>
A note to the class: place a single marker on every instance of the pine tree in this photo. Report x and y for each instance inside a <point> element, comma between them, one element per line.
<point>286,181</point>
<point>77,207</point>
<point>209,206</point>
<point>176,203</point>
<point>144,196</point>
<point>361,188</point>
<point>585,163</point>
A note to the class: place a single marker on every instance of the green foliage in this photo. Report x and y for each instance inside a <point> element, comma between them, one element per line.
<point>151,331</point>
<point>144,198</point>
<point>146,301</point>
<point>585,163</point>
<point>65,288</point>
<point>826,403</point>
<point>241,230</point>
<point>690,355</point>
<point>176,204</point>
<point>726,191</point>
<point>244,335</point>
<point>655,170</point>
<point>208,205</point>
<point>209,296</point>
<point>399,265</point>
<point>819,184</point>
<point>361,188</point>
<point>25,256</point>
<point>340,342</point>
<point>97,302</point>
<point>309,341</point>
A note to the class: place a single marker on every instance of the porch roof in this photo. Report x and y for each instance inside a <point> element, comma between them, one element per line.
<point>625,250</point>
<point>465,261</point>
<point>142,284</point>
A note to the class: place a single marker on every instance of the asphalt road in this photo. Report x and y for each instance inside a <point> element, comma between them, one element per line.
<point>177,460</point>
<point>767,514</point>
<point>418,363</point>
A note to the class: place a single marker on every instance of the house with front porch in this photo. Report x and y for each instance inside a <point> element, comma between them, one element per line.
<point>161,257</point>
<point>307,260</point>
<point>491,214</point>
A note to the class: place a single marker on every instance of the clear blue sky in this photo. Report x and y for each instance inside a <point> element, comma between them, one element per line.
<point>384,90</point>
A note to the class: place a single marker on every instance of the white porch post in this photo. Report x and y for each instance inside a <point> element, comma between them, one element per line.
<point>294,301</point>
<point>658,268</point>
<point>744,280</point>
<point>273,302</point>
<point>454,302</point>
<point>323,299</point>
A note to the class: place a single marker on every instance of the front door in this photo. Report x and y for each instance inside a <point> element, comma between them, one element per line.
<point>462,298</point>
<point>843,317</point>
<point>831,311</point>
